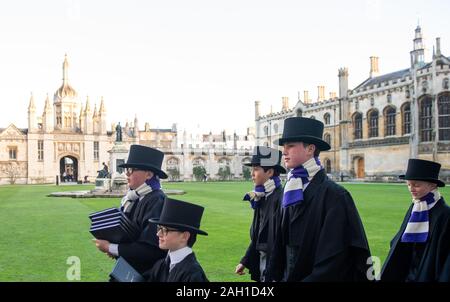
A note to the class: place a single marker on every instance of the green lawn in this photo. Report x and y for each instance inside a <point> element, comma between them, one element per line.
<point>39,233</point>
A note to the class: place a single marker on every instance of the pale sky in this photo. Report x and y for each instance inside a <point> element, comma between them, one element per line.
<point>201,62</point>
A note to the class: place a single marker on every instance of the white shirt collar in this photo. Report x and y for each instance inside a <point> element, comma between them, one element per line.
<point>178,255</point>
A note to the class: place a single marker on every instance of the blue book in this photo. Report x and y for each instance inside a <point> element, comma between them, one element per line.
<point>124,272</point>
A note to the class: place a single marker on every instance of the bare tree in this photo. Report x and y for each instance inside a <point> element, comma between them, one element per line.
<point>12,170</point>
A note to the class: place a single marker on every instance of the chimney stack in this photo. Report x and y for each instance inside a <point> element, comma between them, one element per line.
<point>374,67</point>
<point>306,99</point>
<point>285,103</point>
<point>321,93</point>
<point>332,95</point>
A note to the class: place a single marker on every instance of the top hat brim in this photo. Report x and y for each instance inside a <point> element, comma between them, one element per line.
<point>278,168</point>
<point>146,167</point>
<point>320,144</point>
<point>433,180</point>
<point>180,226</point>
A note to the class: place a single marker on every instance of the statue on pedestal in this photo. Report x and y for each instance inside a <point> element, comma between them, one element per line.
<point>118,133</point>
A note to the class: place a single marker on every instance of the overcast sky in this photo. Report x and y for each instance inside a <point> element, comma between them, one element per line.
<point>201,62</point>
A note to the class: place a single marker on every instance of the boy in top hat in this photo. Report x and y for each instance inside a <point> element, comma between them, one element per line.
<point>178,227</point>
<point>265,200</point>
<point>143,201</point>
<point>420,252</point>
<point>321,237</point>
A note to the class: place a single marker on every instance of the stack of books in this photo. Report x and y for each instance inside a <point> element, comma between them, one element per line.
<point>114,226</point>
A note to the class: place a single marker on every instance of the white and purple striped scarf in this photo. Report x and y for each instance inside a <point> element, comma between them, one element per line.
<point>261,191</point>
<point>418,224</point>
<point>297,179</point>
<point>148,186</point>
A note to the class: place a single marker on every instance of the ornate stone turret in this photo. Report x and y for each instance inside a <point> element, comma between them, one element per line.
<point>418,52</point>
<point>102,117</point>
<point>65,91</point>
<point>343,82</point>
<point>47,117</point>
<point>257,109</point>
<point>32,122</point>
<point>88,124</point>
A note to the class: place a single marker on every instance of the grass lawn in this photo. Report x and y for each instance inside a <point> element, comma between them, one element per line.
<point>39,233</point>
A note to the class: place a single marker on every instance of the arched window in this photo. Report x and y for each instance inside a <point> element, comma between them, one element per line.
<point>312,117</point>
<point>357,126</point>
<point>327,118</point>
<point>444,116</point>
<point>327,165</point>
<point>425,120</point>
<point>275,128</point>
<point>373,123</point>
<point>406,118</point>
<point>266,130</point>
<point>327,138</point>
<point>390,114</point>
<point>299,112</point>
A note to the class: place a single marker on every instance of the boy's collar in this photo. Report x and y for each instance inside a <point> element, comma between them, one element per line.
<point>178,255</point>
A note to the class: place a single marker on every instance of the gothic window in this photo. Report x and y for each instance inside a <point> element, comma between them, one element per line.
<point>389,98</point>
<point>327,118</point>
<point>327,164</point>
<point>40,150</point>
<point>445,83</point>
<point>96,150</point>
<point>275,128</point>
<point>172,163</point>
<point>390,121</point>
<point>266,130</point>
<point>12,153</point>
<point>357,125</point>
<point>444,116</point>
<point>327,138</point>
<point>406,118</point>
<point>312,117</point>
<point>299,112</point>
<point>425,120</point>
<point>373,123</point>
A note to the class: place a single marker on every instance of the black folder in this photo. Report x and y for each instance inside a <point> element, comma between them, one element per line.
<point>124,272</point>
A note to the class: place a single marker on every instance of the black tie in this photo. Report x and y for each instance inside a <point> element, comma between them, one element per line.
<point>167,264</point>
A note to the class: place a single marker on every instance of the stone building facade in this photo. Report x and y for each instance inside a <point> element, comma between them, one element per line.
<point>68,141</point>
<point>374,128</point>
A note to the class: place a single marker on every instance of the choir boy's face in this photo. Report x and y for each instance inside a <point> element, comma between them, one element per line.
<point>137,177</point>
<point>259,177</point>
<point>171,239</point>
<point>296,154</point>
<point>419,189</point>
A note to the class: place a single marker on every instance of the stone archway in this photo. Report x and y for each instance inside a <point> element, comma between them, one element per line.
<point>68,169</point>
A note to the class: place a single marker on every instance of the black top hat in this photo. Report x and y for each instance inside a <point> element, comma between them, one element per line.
<point>425,170</point>
<point>266,157</point>
<point>181,215</point>
<point>145,158</point>
<point>301,129</point>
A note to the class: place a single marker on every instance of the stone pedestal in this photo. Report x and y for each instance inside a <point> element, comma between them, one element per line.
<point>119,183</point>
<point>117,155</point>
<point>102,184</point>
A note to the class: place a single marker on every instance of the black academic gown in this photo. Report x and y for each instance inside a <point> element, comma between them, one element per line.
<point>433,263</point>
<point>322,238</point>
<point>144,252</point>
<point>188,270</point>
<point>262,232</point>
